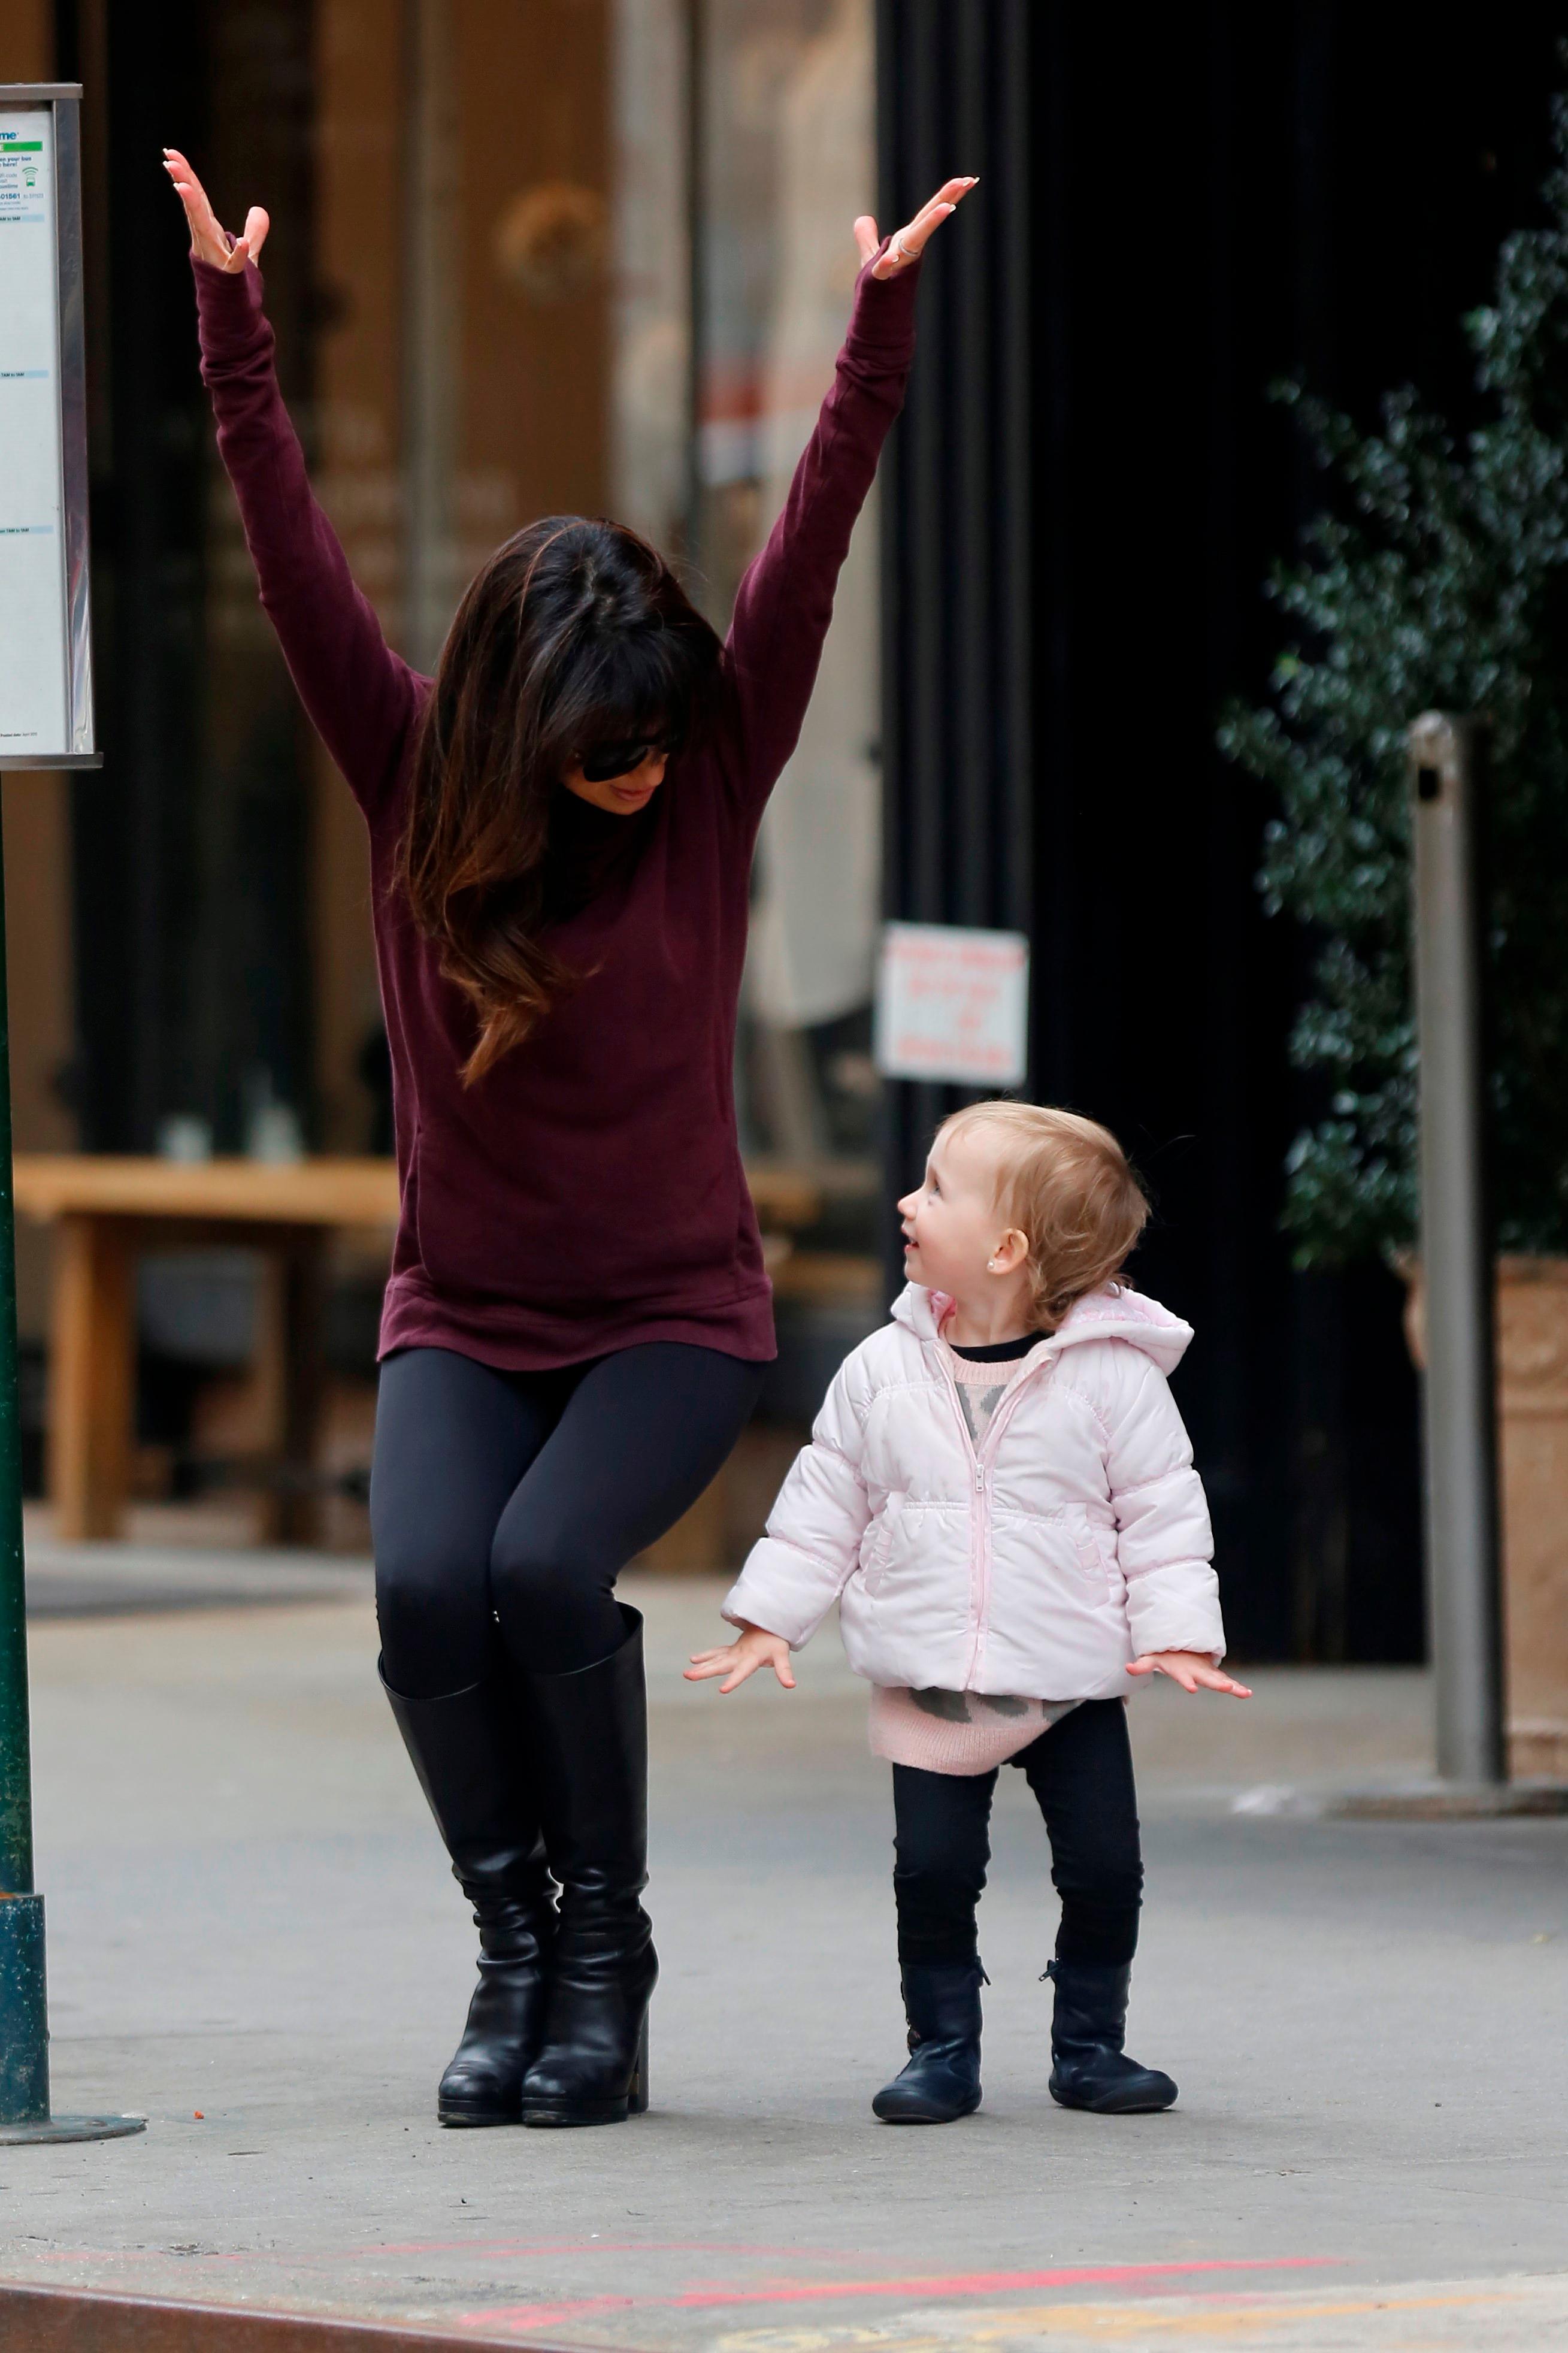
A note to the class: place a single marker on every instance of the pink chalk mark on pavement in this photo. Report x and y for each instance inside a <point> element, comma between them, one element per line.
<point>521,2318</point>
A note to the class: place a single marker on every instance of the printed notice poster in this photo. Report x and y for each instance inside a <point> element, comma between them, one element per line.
<point>34,634</point>
<point>952,1004</point>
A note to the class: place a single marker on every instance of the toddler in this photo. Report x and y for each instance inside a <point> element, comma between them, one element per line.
<point>1000,1494</point>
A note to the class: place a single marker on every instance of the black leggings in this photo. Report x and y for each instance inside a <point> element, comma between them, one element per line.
<point>516,1499</point>
<point>1081,1770</point>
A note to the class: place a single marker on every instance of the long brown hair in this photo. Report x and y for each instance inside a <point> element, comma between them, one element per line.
<point>574,634</point>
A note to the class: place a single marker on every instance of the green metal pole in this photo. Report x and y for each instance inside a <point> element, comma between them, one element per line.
<point>24,2012</point>
<point>23,2007</point>
<point>24,2000</point>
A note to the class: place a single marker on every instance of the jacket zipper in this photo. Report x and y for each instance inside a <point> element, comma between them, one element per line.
<point>979,1466</point>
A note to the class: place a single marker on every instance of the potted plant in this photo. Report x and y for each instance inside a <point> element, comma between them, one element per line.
<point>1438,579</point>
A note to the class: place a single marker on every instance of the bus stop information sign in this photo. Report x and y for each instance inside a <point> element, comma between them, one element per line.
<point>45,722</point>
<point>46,654</point>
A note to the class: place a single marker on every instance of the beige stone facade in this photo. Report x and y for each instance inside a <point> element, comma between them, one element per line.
<point>1532,1474</point>
<point>1532,1407</point>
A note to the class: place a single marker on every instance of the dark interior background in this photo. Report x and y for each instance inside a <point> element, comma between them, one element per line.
<point>1089,491</point>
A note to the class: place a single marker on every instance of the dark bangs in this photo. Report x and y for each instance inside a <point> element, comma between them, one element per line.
<point>622,654</point>
<point>636,685</point>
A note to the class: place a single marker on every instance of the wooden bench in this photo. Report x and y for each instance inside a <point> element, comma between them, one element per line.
<point>107,1211</point>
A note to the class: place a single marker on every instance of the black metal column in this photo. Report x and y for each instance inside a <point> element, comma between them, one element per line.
<point>953,96</point>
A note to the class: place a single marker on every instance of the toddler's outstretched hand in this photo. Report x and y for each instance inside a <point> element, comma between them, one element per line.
<point>752,1648</point>
<point>1194,1670</point>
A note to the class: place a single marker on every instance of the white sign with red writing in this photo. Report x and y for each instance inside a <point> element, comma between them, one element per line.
<point>952,1004</point>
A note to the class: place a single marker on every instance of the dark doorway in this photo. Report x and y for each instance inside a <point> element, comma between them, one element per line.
<point>1170,217</point>
<point>190,847</point>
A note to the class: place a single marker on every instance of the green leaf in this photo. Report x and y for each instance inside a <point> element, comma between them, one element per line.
<point>1436,578</point>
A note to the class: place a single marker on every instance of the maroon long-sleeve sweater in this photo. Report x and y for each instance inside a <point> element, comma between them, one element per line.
<point>587,1193</point>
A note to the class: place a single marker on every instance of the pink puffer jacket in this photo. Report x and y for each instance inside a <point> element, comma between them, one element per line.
<point>1075,1539</point>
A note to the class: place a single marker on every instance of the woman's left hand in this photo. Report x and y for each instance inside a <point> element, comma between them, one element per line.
<point>1194,1670</point>
<point>907,243</point>
<point>210,241</point>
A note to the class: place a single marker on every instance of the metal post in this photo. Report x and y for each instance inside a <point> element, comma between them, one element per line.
<point>1459,1422</point>
<point>24,2030</point>
<point>48,112</point>
<point>24,2006</point>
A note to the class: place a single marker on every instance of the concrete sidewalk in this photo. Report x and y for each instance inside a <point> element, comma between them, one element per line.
<point>253,1940</point>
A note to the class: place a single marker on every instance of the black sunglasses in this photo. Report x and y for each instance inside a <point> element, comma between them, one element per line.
<point>607,760</point>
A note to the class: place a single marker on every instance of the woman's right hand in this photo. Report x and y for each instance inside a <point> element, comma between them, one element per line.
<point>209,241</point>
<point>755,1647</point>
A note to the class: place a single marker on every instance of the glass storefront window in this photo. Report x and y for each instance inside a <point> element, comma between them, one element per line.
<point>786,162</point>
<point>746,128</point>
<point>527,257</point>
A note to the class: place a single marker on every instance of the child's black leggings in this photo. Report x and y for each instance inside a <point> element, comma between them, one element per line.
<point>513,1501</point>
<point>1081,1770</point>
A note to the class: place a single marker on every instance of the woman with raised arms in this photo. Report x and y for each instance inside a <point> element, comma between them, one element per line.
<point>561,827</point>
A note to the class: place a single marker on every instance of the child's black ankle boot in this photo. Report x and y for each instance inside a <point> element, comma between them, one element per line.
<point>941,2082</point>
<point>1089,2067</point>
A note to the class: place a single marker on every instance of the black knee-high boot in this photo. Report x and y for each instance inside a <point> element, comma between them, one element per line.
<point>469,1751</point>
<point>1089,2066</point>
<point>942,2081</point>
<point>592,1734</point>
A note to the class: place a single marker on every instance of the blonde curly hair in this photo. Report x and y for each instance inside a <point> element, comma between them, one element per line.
<point>1068,1186</point>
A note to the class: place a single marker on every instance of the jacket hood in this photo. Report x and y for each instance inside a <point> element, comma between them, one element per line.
<point>1112,1312</point>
